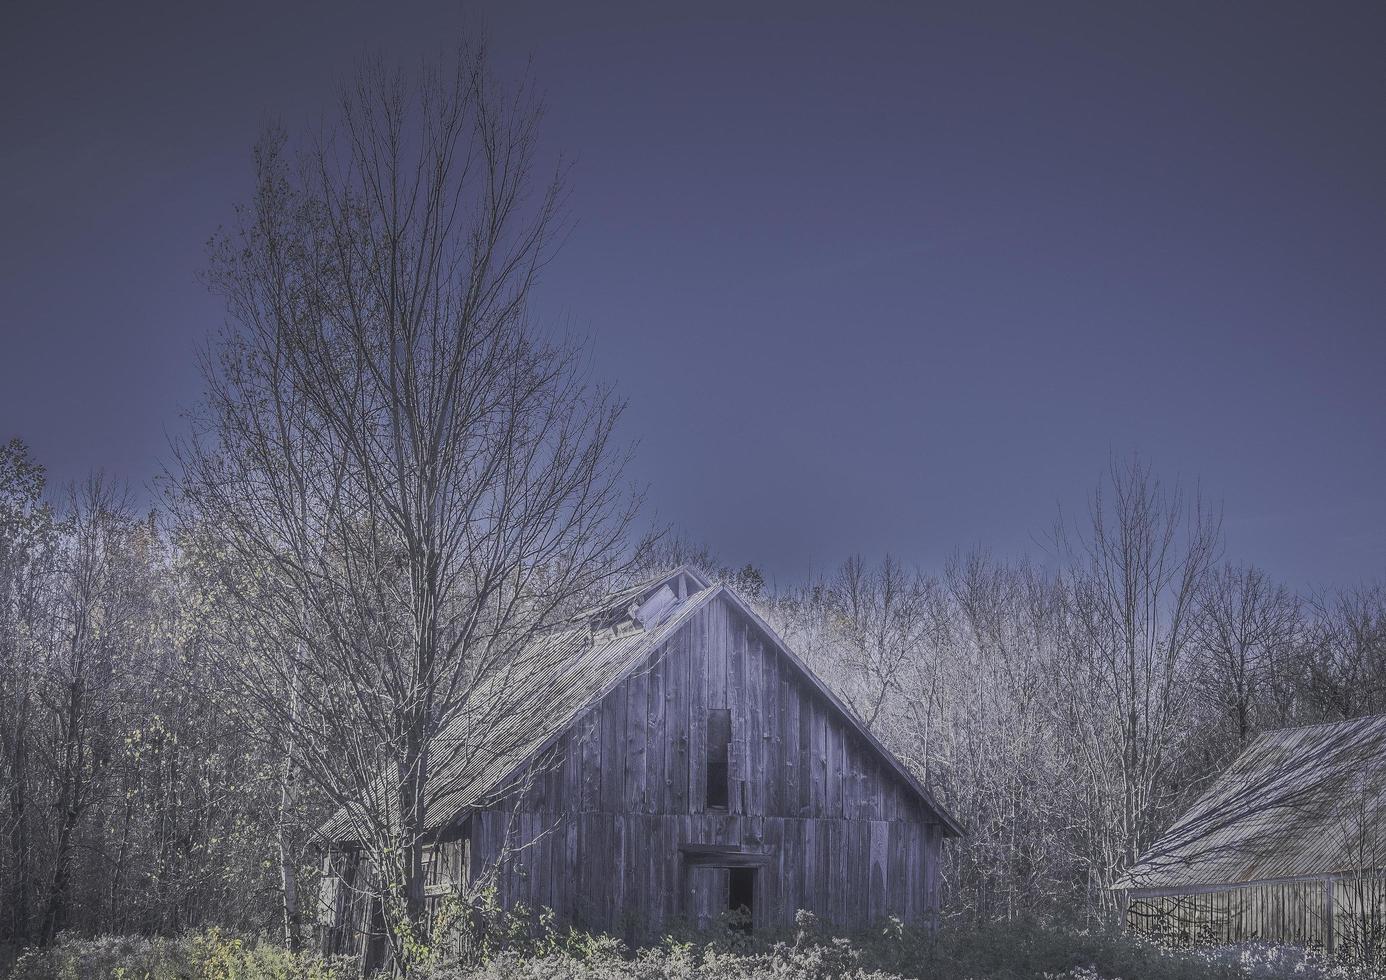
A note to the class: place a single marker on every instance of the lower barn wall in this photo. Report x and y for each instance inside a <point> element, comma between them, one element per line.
<point>1345,914</point>
<point>638,876</point>
<point>631,874</point>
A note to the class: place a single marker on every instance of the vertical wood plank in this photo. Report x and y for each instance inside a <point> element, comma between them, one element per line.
<point>613,721</point>
<point>804,709</point>
<point>738,700</point>
<point>636,741</point>
<point>591,761</point>
<point>757,752</point>
<point>676,720</point>
<point>789,747</point>
<point>820,760</point>
<point>716,653</point>
<point>879,870</point>
<point>832,783</point>
<point>656,786</point>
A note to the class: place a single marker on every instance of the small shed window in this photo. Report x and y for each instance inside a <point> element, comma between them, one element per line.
<point>718,749</point>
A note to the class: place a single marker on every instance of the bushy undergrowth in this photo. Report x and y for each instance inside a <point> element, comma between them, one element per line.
<point>1007,951</point>
<point>207,955</point>
<point>995,952</point>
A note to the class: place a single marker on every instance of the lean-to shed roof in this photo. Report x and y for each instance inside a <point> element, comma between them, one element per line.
<point>1297,802</point>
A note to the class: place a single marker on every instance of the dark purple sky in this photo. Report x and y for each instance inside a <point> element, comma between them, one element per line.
<point>871,276</point>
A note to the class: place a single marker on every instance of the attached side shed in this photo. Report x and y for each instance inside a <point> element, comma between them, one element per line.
<point>678,761</point>
<point>1289,845</point>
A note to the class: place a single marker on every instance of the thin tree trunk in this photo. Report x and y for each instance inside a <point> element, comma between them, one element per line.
<point>18,835</point>
<point>70,811</point>
<point>288,795</point>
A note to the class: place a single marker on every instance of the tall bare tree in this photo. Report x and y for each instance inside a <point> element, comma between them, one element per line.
<point>1342,660</point>
<point>885,616</point>
<point>28,547</point>
<point>102,589</point>
<point>1131,580</point>
<point>1003,759</point>
<point>404,480</point>
<point>1244,627</point>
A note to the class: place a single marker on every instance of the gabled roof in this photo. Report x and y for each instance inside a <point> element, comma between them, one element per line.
<point>569,671</point>
<point>1297,802</point>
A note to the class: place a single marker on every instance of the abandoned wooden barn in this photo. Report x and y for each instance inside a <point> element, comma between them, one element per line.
<point>676,761</point>
<point>1288,845</point>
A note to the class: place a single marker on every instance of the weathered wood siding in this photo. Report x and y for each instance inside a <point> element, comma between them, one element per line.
<point>1343,913</point>
<point>597,834</point>
<point>1285,911</point>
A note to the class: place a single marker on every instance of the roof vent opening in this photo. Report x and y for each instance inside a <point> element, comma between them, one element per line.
<point>655,608</point>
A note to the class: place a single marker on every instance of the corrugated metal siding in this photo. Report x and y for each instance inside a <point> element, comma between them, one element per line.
<point>1298,802</point>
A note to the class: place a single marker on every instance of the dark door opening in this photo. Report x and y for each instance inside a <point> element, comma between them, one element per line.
<point>741,898</point>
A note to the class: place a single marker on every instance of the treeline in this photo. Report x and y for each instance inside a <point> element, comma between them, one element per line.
<point>1067,708</point>
<point>136,796</point>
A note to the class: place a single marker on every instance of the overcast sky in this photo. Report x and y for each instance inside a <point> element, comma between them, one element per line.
<point>872,277</point>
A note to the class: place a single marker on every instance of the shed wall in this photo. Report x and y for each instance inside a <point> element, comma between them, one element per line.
<point>1343,913</point>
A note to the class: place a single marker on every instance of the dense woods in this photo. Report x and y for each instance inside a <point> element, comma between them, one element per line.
<point>143,793</point>
<point>137,796</point>
<point>1067,706</point>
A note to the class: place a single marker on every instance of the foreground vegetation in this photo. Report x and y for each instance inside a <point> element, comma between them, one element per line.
<point>1007,951</point>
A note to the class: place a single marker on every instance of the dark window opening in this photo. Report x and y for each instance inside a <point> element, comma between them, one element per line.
<point>718,749</point>
<point>741,898</point>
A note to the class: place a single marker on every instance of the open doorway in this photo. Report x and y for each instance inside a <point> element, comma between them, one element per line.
<point>722,893</point>
<point>741,898</point>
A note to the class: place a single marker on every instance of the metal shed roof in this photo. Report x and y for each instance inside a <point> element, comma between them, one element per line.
<point>1298,802</point>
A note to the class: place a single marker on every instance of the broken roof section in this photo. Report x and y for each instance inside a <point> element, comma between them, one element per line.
<point>1298,802</point>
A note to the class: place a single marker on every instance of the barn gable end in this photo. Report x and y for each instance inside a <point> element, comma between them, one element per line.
<point>797,750</point>
<point>711,770</point>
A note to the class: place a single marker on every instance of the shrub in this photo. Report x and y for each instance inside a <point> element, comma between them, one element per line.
<point>210,955</point>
